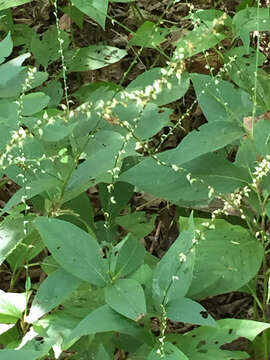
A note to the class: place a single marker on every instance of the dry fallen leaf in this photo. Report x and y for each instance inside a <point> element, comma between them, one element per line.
<point>65,22</point>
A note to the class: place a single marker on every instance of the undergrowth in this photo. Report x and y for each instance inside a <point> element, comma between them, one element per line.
<point>100,293</point>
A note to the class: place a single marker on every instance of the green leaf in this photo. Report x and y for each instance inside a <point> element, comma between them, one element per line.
<point>101,157</point>
<point>220,100</point>
<point>6,4</point>
<point>229,258</point>
<point>151,121</point>
<point>57,130</point>
<point>95,9</point>
<point>216,171</point>
<point>197,143</point>
<point>19,354</point>
<point>173,274</point>
<point>93,57</point>
<point>126,296</point>
<point>12,305</point>
<point>166,94</point>
<point>171,352</point>
<point>243,68</point>
<point>250,19</point>
<point>11,234</point>
<point>206,342</point>
<point>26,250</point>
<point>163,182</point>
<point>137,223</point>
<point>34,102</point>
<point>248,329</point>
<point>11,79</point>
<point>82,207</point>
<point>54,90</point>
<point>129,257</point>
<point>104,319</point>
<point>188,311</point>
<point>46,50</point>
<point>52,291</point>
<point>149,35</point>
<point>262,137</point>
<point>6,47</point>
<point>121,194</point>
<point>202,37</point>
<point>32,189</point>
<point>75,250</point>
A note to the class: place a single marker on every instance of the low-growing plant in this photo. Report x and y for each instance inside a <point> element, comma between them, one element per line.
<point>104,291</point>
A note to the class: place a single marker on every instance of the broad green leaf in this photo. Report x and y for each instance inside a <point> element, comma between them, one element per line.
<point>22,34</point>
<point>54,90</point>
<point>206,342</point>
<point>93,57</point>
<point>163,182</point>
<point>120,194</point>
<point>11,234</point>
<point>6,4</point>
<point>188,311</point>
<point>102,354</point>
<point>75,250</point>
<point>11,80</point>
<point>13,76</point>
<point>26,250</point>
<point>250,19</point>
<point>242,70</point>
<point>86,91</point>
<point>170,352</point>
<point>104,319</point>
<point>6,47</point>
<point>126,296</point>
<point>248,329</point>
<point>173,274</point>
<point>95,9</point>
<point>262,137</point>
<point>34,102</point>
<point>143,275</point>
<point>151,121</point>
<point>229,258</point>
<point>82,207</point>
<point>52,291</point>
<point>47,49</point>
<point>101,152</point>
<point>220,100</point>
<point>137,223</point>
<point>5,328</point>
<point>149,35</point>
<point>56,130</point>
<point>11,337</point>
<point>32,189</point>
<point>129,257</point>
<point>12,305</point>
<point>197,143</point>
<point>164,94</point>
<point>201,38</point>
<point>216,171</point>
<point>19,354</point>
<point>55,329</point>
<point>247,155</point>
<point>83,300</point>
<point>8,125</point>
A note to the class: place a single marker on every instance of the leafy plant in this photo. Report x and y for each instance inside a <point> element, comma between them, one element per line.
<point>103,289</point>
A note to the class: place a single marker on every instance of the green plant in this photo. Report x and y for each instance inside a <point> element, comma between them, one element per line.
<point>103,291</point>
